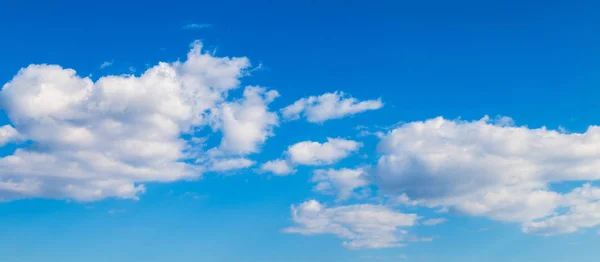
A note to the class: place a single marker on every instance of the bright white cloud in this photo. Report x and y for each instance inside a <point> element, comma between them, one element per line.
<point>433,221</point>
<point>311,153</point>
<point>315,153</point>
<point>221,165</point>
<point>247,124</point>
<point>343,181</point>
<point>318,109</point>
<point>492,168</point>
<point>360,226</point>
<point>278,167</point>
<point>104,139</point>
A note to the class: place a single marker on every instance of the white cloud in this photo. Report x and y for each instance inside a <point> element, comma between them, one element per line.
<point>433,221</point>
<point>110,136</point>
<point>491,168</point>
<point>247,124</point>
<point>318,109</point>
<point>278,167</point>
<point>311,153</point>
<point>583,204</point>
<point>221,165</point>
<point>8,134</point>
<point>196,26</point>
<point>360,226</point>
<point>315,153</point>
<point>344,181</point>
<point>106,64</point>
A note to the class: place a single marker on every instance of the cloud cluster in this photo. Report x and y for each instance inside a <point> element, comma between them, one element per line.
<point>493,169</point>
<point>313,154</point>
<point>88,140</point>
<point>318,109</point>
<point>360,226</point>
<point>91,140</point>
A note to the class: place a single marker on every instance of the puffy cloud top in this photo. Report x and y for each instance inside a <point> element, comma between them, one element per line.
<point>92,140</point>
<point>492,169</point>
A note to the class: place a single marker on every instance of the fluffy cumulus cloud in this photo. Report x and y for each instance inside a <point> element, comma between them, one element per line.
<point>246,124</point>
<point>583,205</point>
<point>91,140</point>
<point>343,181</point>
<point>279,167</point>
<point>360,226</point>
<point>313,154</point>
<point>318,109</point>
<point>494,169</point>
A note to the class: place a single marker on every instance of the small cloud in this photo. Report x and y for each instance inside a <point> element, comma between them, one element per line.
<point>434,221</point>
<point>116,211</point>
<point>106,64</point>
<point>193,195</point>
<point>418,239</point>
<point>132,69</point>
<point>196,26</point>
<point>364,133</point>
<point>250,71</point>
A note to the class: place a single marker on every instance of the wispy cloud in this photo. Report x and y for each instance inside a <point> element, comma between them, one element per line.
<point>434,221</point>
<point>106,64</point>
<point>196,26</point>
<point>116,211</point>
<point>193,195</point>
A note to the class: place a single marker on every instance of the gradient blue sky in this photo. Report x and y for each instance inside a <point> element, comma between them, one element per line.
<point>533,61</point>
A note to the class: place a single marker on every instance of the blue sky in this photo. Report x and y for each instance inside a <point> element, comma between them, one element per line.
<point>299,131</point>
